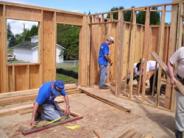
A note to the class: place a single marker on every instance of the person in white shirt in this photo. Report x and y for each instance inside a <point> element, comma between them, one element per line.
<point>151,67</point>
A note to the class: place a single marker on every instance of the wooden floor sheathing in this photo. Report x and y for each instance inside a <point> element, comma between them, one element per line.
<point>100,120</point>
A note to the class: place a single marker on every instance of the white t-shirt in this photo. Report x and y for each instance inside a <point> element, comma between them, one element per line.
<point>178,57</point>
<point>150,66</point>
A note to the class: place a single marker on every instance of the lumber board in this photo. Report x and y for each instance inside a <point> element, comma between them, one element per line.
<point>112,32</point>
<point>146,48</point>
<point>13,78</point>
<point>34,76</point>
<point>38,8</point>
<point>84,52</point>
<point>23,96</point>
<point>118,54</point>
<point>48,54</point>
<point>180,26</point>
<point>140,8</point>
<point>19,99</point>
<point>26,97</point>
<point>96,134</point>
<point>164,67</point>
<point>10,78</point>
<point>69,19</point>
<point>17,93</point>
<point>4,79</point>
<point>125,50</point>
<point>15,12</point>
<point>160,49</point>
<point>41,49</point>
<point>94,47</point>
<point>106,101</point>
<point>131,133</point>
<point>170,100</point>
<point>68,87</point>
<point>10,111</point>
<point>37,129</point>
<point>21,78</point>
<point>1,16</point>
<point>132,52</point>
<point>20,109</point>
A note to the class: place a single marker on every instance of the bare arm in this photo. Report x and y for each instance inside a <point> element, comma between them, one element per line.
<point>171,72</point>
<point>35,109</point>
<point>108,59</point>
<point>67,109</point>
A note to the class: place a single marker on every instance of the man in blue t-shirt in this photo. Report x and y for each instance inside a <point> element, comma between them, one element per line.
<point>104,60</point>
<point>45,107</point>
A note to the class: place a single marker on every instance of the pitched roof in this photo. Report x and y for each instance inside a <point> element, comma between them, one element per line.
<point>26,45</point>
<point>29,45</point>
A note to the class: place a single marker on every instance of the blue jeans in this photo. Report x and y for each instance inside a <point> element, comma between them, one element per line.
<point>103,75</point>
<point>51,111</point>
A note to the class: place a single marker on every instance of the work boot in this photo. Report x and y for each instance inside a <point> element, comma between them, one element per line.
<point>103,87</point>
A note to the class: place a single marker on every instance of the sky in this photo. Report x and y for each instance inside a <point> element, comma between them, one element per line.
<point>17,26</point>
<point>82,6</point>
<point>94,6</point>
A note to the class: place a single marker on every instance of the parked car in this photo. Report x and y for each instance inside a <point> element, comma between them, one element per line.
<point>11,57</point>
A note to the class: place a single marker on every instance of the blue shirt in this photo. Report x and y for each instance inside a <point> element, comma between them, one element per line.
<point>47,94</point>
<point>104,50</point>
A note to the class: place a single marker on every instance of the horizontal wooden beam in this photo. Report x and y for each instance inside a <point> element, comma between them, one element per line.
<point>32,91</point>
<point>104,100</point>
<point>38,8</point>
<point>20,109</point>
<point>137,8</point>
<point>65,18</point>
<point>18,99</point>
<point>97,23</point>
<point>23,64</point>
<point>29,95</point>
<point>20,13</point>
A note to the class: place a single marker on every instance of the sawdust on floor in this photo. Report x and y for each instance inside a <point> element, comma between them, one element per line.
<point>106,121</point>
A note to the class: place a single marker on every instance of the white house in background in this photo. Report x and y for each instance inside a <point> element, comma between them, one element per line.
<point>28,51</point>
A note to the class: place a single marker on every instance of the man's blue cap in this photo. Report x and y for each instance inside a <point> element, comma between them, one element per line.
<point>59,84</point>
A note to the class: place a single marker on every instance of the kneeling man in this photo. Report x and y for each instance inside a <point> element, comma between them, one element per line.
<point>45,108</point>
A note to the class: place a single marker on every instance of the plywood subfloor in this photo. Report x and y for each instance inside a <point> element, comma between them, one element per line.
<point>100,118</point>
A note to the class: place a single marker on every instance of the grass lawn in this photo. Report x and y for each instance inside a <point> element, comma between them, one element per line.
<point>66,79</point>
<point>67,72</point>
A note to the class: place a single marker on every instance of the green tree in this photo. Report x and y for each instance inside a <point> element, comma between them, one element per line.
<point>34,30</point>
<point>68,37</point>
<point>26,34</point>
<point>115,14</point>
<point>154,17</point>
<point>127,14</point>
<point>11,37</point>
<point>140,16</point>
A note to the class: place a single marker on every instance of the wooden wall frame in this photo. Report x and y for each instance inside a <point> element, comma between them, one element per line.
<point>15,77</point>
<point>137,41</point>
<point>129,37</point>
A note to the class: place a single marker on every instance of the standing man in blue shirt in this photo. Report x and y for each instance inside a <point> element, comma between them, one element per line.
<point>104,60</point>
<point>45,108</point>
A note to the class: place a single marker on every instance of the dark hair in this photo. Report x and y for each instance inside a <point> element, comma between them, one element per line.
<point>138,66</point>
